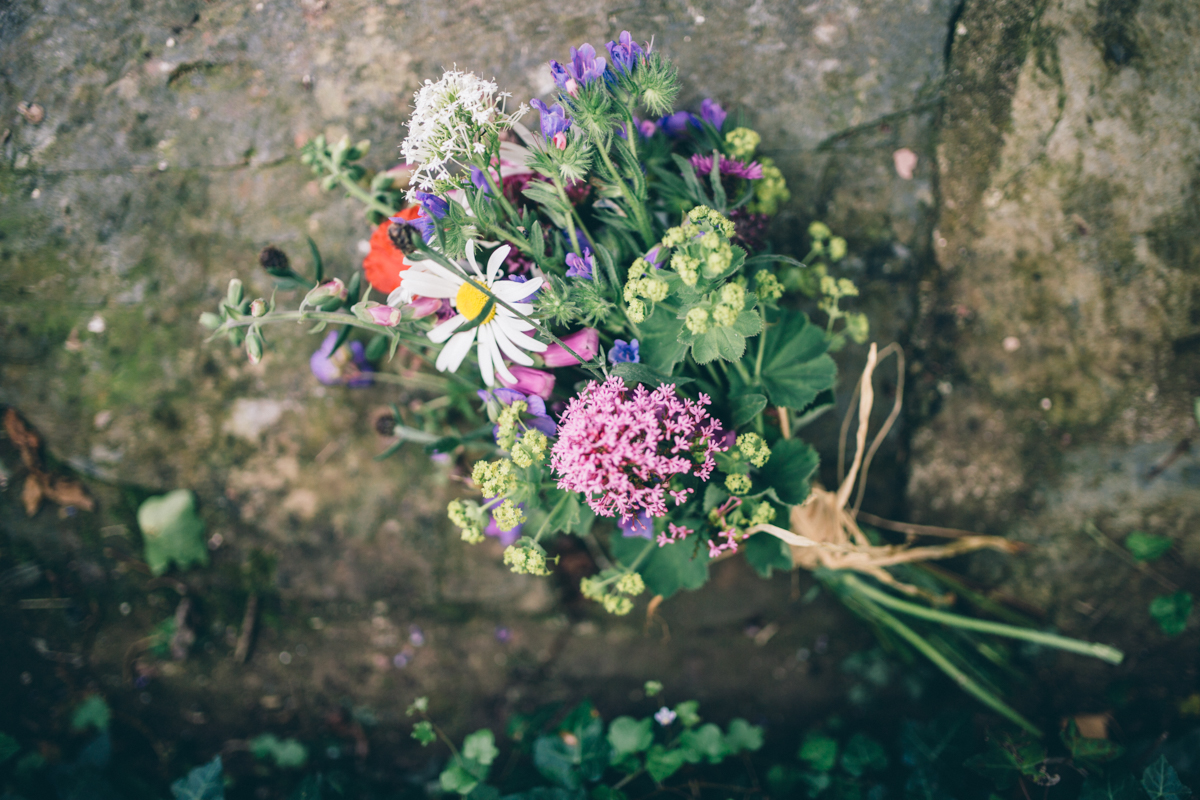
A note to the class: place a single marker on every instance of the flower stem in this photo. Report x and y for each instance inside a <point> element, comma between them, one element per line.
<point>639,213</point>
<point>354,190</point>
<point>1101,651</point>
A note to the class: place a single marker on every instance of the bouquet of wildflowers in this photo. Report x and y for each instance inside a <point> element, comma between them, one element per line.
<point>597,285</point>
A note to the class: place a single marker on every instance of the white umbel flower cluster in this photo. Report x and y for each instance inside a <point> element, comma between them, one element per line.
<point>450,123</point>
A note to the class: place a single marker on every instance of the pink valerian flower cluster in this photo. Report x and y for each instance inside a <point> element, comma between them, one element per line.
<point>677,533</point>
<point>620,448</point>
<point>731,536</point>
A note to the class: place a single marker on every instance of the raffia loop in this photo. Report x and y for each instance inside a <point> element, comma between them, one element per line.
<point>825,534</point>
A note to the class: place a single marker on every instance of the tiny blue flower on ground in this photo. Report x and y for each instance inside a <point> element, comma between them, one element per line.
<point>581,267</point>
<point>664,716</point>
<point>624,352</point>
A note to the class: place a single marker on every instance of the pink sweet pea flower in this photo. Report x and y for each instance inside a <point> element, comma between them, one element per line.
<point>384,315</point>
<point>585,342</point>
<point>530,381</point>
<point>424,306</point>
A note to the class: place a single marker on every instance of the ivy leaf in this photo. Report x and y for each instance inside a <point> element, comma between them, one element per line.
<point>795,366</point>
<point>819,752</point>
<point>91,713</point>
<point>662,763</point>
<point>172,532</point>
<point>1097,788</point>
<point>480,747</point>
<point>1161,782</point>
<point>704,743</point>
<point>659,346</point>
<point>682,565</point>
<point>743,736</point>
<point>789,470</point>
<point>202,783</point>
<point>1171,612</point>
<point>1147,546</point>
<point>746,407</point>
<point>863,753</point>
<point>627,735</point>
<point>766,553</point>
<point>1082,749</point>
<point>456,779</point>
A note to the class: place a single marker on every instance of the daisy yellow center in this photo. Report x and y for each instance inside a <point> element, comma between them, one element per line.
<point>470,302</point>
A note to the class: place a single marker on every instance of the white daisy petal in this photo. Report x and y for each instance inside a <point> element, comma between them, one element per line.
<point>511,291</point>
<point>493,354</point>
<point>431,267</point>
<point>515,335</point>
<point>442,332</point>
<point>397,298</point>
<point>520,308</point>
<point>487,364</point>
<point>471,256</point>
<point>452,355</point>
<point>513,352</point>
<point>428,286</point>
<point>496,260</point>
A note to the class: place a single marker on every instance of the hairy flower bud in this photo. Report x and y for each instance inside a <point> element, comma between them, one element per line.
<point>258,307</point>
<point>210,320</point>
<point>254,346</point>
<point>233,295</point>
<point>330,290</point>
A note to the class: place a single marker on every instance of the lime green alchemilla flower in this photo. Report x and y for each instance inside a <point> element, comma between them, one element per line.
<point>754,449</point>
<point>737,484</point>
<point>742,143</point>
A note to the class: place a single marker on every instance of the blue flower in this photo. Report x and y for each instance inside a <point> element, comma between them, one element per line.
<point>624,352</point>
<point>581,267</point>
<point>432,207</point>
<point>656,257</point>
<point>712,113</point>
<point>585,67</point>
<point>624,52</point>
<point>640,525</point>
<point>678,123</point>
<point>554,118</point>
<point>559,73</point>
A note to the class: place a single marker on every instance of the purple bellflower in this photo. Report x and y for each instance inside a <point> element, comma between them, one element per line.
<point>554,118</point>
<point>432,207</point>
<point>582,69</point>
<point>624,52</point>
<point>678,123</point>
<point>623,352</point>
<point>712,113</point>
<point>535,415</point>
<point>581,267</point>
<point>347,367</point>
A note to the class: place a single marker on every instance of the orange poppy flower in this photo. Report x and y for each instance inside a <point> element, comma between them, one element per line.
<point>385,262</point>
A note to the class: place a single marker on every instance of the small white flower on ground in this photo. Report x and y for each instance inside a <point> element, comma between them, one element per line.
<point>665,716</point>
<point>502,334</point>
<point>906,162</point>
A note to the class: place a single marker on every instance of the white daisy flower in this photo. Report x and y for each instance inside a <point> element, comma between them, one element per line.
<point>502,334</point>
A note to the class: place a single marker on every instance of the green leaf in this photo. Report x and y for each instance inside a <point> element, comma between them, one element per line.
<point>627,735</point>
<point>172,532</point>
<point>91,713</point>
<point>724,343</point>
<point>659,345</point>
<point>1171,612</point>
<point>766,553</point>
<point>743,736</point>
<point>202,783</point>
<point>1005,759</point>
<point>863,754</point>
<point>746,407</point>
<point>423,733</point>
<point>682,565</point>
<point>687,712</point>
<point>456,779</point>
<point>714,496</point>
<point>789,470</point>
<point>795,366</point>
<point>480,747</point>
<point>318,263</point>
<point>703,743</point>
<point>819,752</point>
<point>286,753</point>
<point>640,373</point>
<point>1098,788</point>
<point>662,763</point>
<point>1146,546</point>
<point>9,747</point>
<point>1162,783</point>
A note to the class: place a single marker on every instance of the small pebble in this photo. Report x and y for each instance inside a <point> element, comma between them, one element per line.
<point>1011,344</point>
<point>170,42</point>
<point>35,194</point>
<point>96,324</point>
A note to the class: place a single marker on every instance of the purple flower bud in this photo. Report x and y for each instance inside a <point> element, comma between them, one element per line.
<point>655,257</point>
<point>424,306</point>
<point>585,342</point>
<point>559,73</point>
<point>678,123</point>
<point>431,203</point>
<point>712,113</point>
<point>554,122</point>
<point>258,307</point>
<point>624,52</point>
<point>531,381</point>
